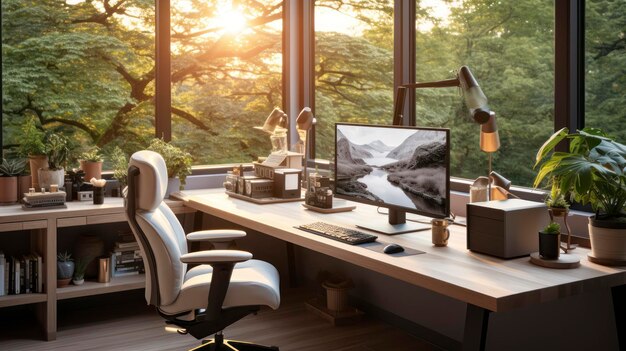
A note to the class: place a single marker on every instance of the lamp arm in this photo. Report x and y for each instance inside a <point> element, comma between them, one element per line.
<point>454,82</point>
<point>401,95</point>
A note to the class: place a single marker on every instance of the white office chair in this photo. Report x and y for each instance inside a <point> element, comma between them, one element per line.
<point>226,286</point>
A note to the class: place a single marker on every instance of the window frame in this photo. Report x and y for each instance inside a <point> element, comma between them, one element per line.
<point>568,76</point>
<point>299,83</point>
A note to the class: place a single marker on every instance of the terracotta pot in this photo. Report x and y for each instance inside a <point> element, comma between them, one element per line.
<point>608,239</point>
<point>92,169</point>
<point>36,163</point>
<point>24,182</point>
<point>8,190</point>
<point>61,283</point>
<point>49,176</point>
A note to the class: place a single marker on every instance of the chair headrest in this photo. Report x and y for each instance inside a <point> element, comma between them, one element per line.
<point>152,179</point>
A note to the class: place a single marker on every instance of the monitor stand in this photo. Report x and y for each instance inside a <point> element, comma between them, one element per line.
<point>397,224</point>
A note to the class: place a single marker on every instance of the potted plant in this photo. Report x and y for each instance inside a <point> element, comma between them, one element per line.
<point>9,172</point>
<point>556,200</point>
<point>120,167</point>
<point>178,163</point>
<point>592,171</point>
<point>65,269</point>
<point>91,163</point>
<point>79,270</point>
<point>549,241</point>
<point>58,153</point>
<point>33,146</point>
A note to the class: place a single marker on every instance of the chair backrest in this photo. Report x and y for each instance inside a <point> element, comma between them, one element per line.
<point>156,228</point>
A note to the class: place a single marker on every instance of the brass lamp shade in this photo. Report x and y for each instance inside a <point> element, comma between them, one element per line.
<point>489,136</point>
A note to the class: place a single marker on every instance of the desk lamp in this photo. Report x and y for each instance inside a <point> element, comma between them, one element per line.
<point>275,125</point>
<point>306,121</point>
<point>475,100</point>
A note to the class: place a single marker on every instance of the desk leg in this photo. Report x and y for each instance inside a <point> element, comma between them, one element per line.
<point>476,323</point>
<point>619,308</point>
<point>291,265</point>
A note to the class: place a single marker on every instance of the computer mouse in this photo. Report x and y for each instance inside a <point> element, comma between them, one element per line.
<point>393,248</point>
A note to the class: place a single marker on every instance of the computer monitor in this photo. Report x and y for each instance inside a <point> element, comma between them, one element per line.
<point>404,169</point>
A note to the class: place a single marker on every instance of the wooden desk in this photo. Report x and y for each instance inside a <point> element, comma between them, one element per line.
<point>487,284</point>
<point>43,225</point>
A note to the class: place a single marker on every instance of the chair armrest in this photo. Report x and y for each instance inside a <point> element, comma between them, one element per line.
<point>217,235</point>
<point>216,256</point>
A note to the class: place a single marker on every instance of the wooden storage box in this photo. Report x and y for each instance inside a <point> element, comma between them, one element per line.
<point>506,228</point>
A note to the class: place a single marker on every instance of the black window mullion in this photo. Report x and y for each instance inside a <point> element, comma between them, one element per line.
<point>568,65</point>
<point>163,77</point>
<point>404,55</point>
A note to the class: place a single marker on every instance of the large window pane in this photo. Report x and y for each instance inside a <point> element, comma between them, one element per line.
<point>508,45</point>
<point>84,69</point>
<point>353,66</point>
<point>605,69</point>
<point>226,76</point>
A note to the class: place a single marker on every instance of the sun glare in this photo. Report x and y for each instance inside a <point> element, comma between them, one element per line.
<point>231,20</point>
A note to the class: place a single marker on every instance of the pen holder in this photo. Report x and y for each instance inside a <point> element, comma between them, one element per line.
<point>98,195</point>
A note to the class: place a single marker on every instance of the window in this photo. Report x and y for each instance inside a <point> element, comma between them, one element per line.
<point>510,51</point>
<point>83,69</point>
<point>353,67</point>
<point>226,77</point>
<point>605,66</point>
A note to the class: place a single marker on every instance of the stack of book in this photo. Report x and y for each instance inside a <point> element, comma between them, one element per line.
<point>21,274</point>
<point>48,200</point>
<point>126,257</point>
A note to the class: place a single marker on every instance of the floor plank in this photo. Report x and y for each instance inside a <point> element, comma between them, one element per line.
<point>130,325</point>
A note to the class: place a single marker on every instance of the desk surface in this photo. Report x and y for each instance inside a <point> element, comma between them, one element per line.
<point>488,282</point>
<point>111,205</point>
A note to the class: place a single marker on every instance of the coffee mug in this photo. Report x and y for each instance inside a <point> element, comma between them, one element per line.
<point>441,233</point>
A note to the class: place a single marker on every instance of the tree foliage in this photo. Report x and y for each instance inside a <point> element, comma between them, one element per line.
<point>87,71</point>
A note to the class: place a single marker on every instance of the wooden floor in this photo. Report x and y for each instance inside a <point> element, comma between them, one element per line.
<point>130,325</point>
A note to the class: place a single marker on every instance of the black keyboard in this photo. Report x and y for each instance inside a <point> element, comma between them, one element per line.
<point>345,235</point>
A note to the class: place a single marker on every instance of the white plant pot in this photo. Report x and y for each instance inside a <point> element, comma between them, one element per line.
<point>78,281</point>
<point>48,176</point>
<point>608,243</point>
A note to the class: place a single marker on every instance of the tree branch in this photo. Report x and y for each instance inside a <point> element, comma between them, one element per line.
<point>102,18</point>
<point>192,119</point>
<point>93,134</point>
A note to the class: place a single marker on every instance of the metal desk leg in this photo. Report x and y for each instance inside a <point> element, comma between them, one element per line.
<point>476,323</point>
<point>619,308</point>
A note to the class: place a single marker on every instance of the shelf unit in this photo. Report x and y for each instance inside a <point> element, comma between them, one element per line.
<point>90,288</point>
<point>42,227</point>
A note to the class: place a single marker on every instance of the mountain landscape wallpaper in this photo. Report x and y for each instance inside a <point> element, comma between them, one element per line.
<point>396,166</point>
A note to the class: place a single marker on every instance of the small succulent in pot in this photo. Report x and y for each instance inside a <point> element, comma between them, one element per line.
<point>549,241</point>
<point>80,268</point>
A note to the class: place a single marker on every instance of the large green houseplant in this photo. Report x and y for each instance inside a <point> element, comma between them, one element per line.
<point>593,172</point>
<point>177,161</point>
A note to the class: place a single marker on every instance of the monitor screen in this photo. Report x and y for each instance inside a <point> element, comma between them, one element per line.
<point>401,168</point>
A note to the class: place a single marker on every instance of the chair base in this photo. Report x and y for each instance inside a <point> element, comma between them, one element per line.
<point>232,345</point>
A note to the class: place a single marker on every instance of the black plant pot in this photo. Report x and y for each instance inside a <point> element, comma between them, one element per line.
<point>549,245</point>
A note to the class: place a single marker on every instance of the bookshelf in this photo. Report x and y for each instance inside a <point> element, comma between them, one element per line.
<point>21,299</point>
<point>90,288</point>
<point>38,229</point>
